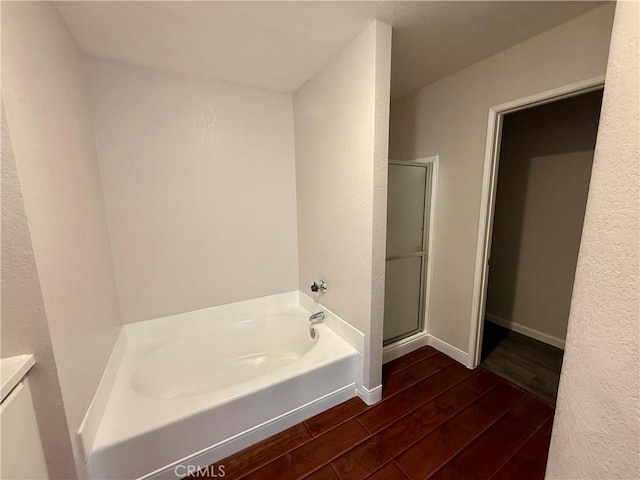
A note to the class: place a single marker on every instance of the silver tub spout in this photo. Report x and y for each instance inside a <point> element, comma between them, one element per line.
<point>316,318</point>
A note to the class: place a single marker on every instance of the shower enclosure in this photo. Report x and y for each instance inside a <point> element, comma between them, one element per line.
<point>409,215</point>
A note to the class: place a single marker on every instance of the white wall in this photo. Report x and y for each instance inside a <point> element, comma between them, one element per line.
<point>199,186</point>
<point>50,122</point>
<point>24,326</point>
<point>545,164</point>
<point>596,431</point>
<point>341,131</point>
<point>449,118</point>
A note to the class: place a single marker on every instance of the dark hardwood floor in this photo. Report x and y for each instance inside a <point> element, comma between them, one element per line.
<point>526,362</point>
<point>436,420</point>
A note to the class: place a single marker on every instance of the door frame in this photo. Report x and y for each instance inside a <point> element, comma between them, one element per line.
<point>488,197</point>
<point>419,339</point>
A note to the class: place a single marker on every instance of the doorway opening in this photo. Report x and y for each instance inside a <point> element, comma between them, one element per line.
<point>543,167</point>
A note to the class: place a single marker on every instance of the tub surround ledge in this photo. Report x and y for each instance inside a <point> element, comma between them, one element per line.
<point>89,426</point>
<point>346,331</point>
<point>13,370</point>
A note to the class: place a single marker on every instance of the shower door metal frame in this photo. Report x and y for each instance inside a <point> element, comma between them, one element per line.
<point>429,164</point>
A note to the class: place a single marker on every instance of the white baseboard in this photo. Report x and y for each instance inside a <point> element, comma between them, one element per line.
<point>370,396</point>
<point>449,350</point>
<point>221,450</point>
<point>408,345</point>
<point>529,332</point>
<point>91,421</point>
<point>404,346</point>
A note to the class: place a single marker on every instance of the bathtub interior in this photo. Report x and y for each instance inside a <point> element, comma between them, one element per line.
<point>205,361</point>
<point>183,386</point>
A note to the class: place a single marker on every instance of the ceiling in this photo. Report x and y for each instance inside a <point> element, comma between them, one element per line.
<point>277,46</point>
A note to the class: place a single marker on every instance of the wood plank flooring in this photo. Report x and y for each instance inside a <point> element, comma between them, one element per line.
<point>436,420</point>
<point>526,362</point>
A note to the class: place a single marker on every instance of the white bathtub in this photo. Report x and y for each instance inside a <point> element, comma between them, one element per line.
<point>191,389</point>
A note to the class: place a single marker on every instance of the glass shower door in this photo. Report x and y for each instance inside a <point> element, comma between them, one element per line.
<point>407,240</point>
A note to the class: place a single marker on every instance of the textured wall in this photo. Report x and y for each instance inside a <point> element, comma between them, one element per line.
<point>373,367</point>
<point>50,122</point>
<point>449,118</point>
<point>199,187</point>
<point>24,326</point>
<point>340,163</point>
<point>545,165</point>
<point>596,431</point>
